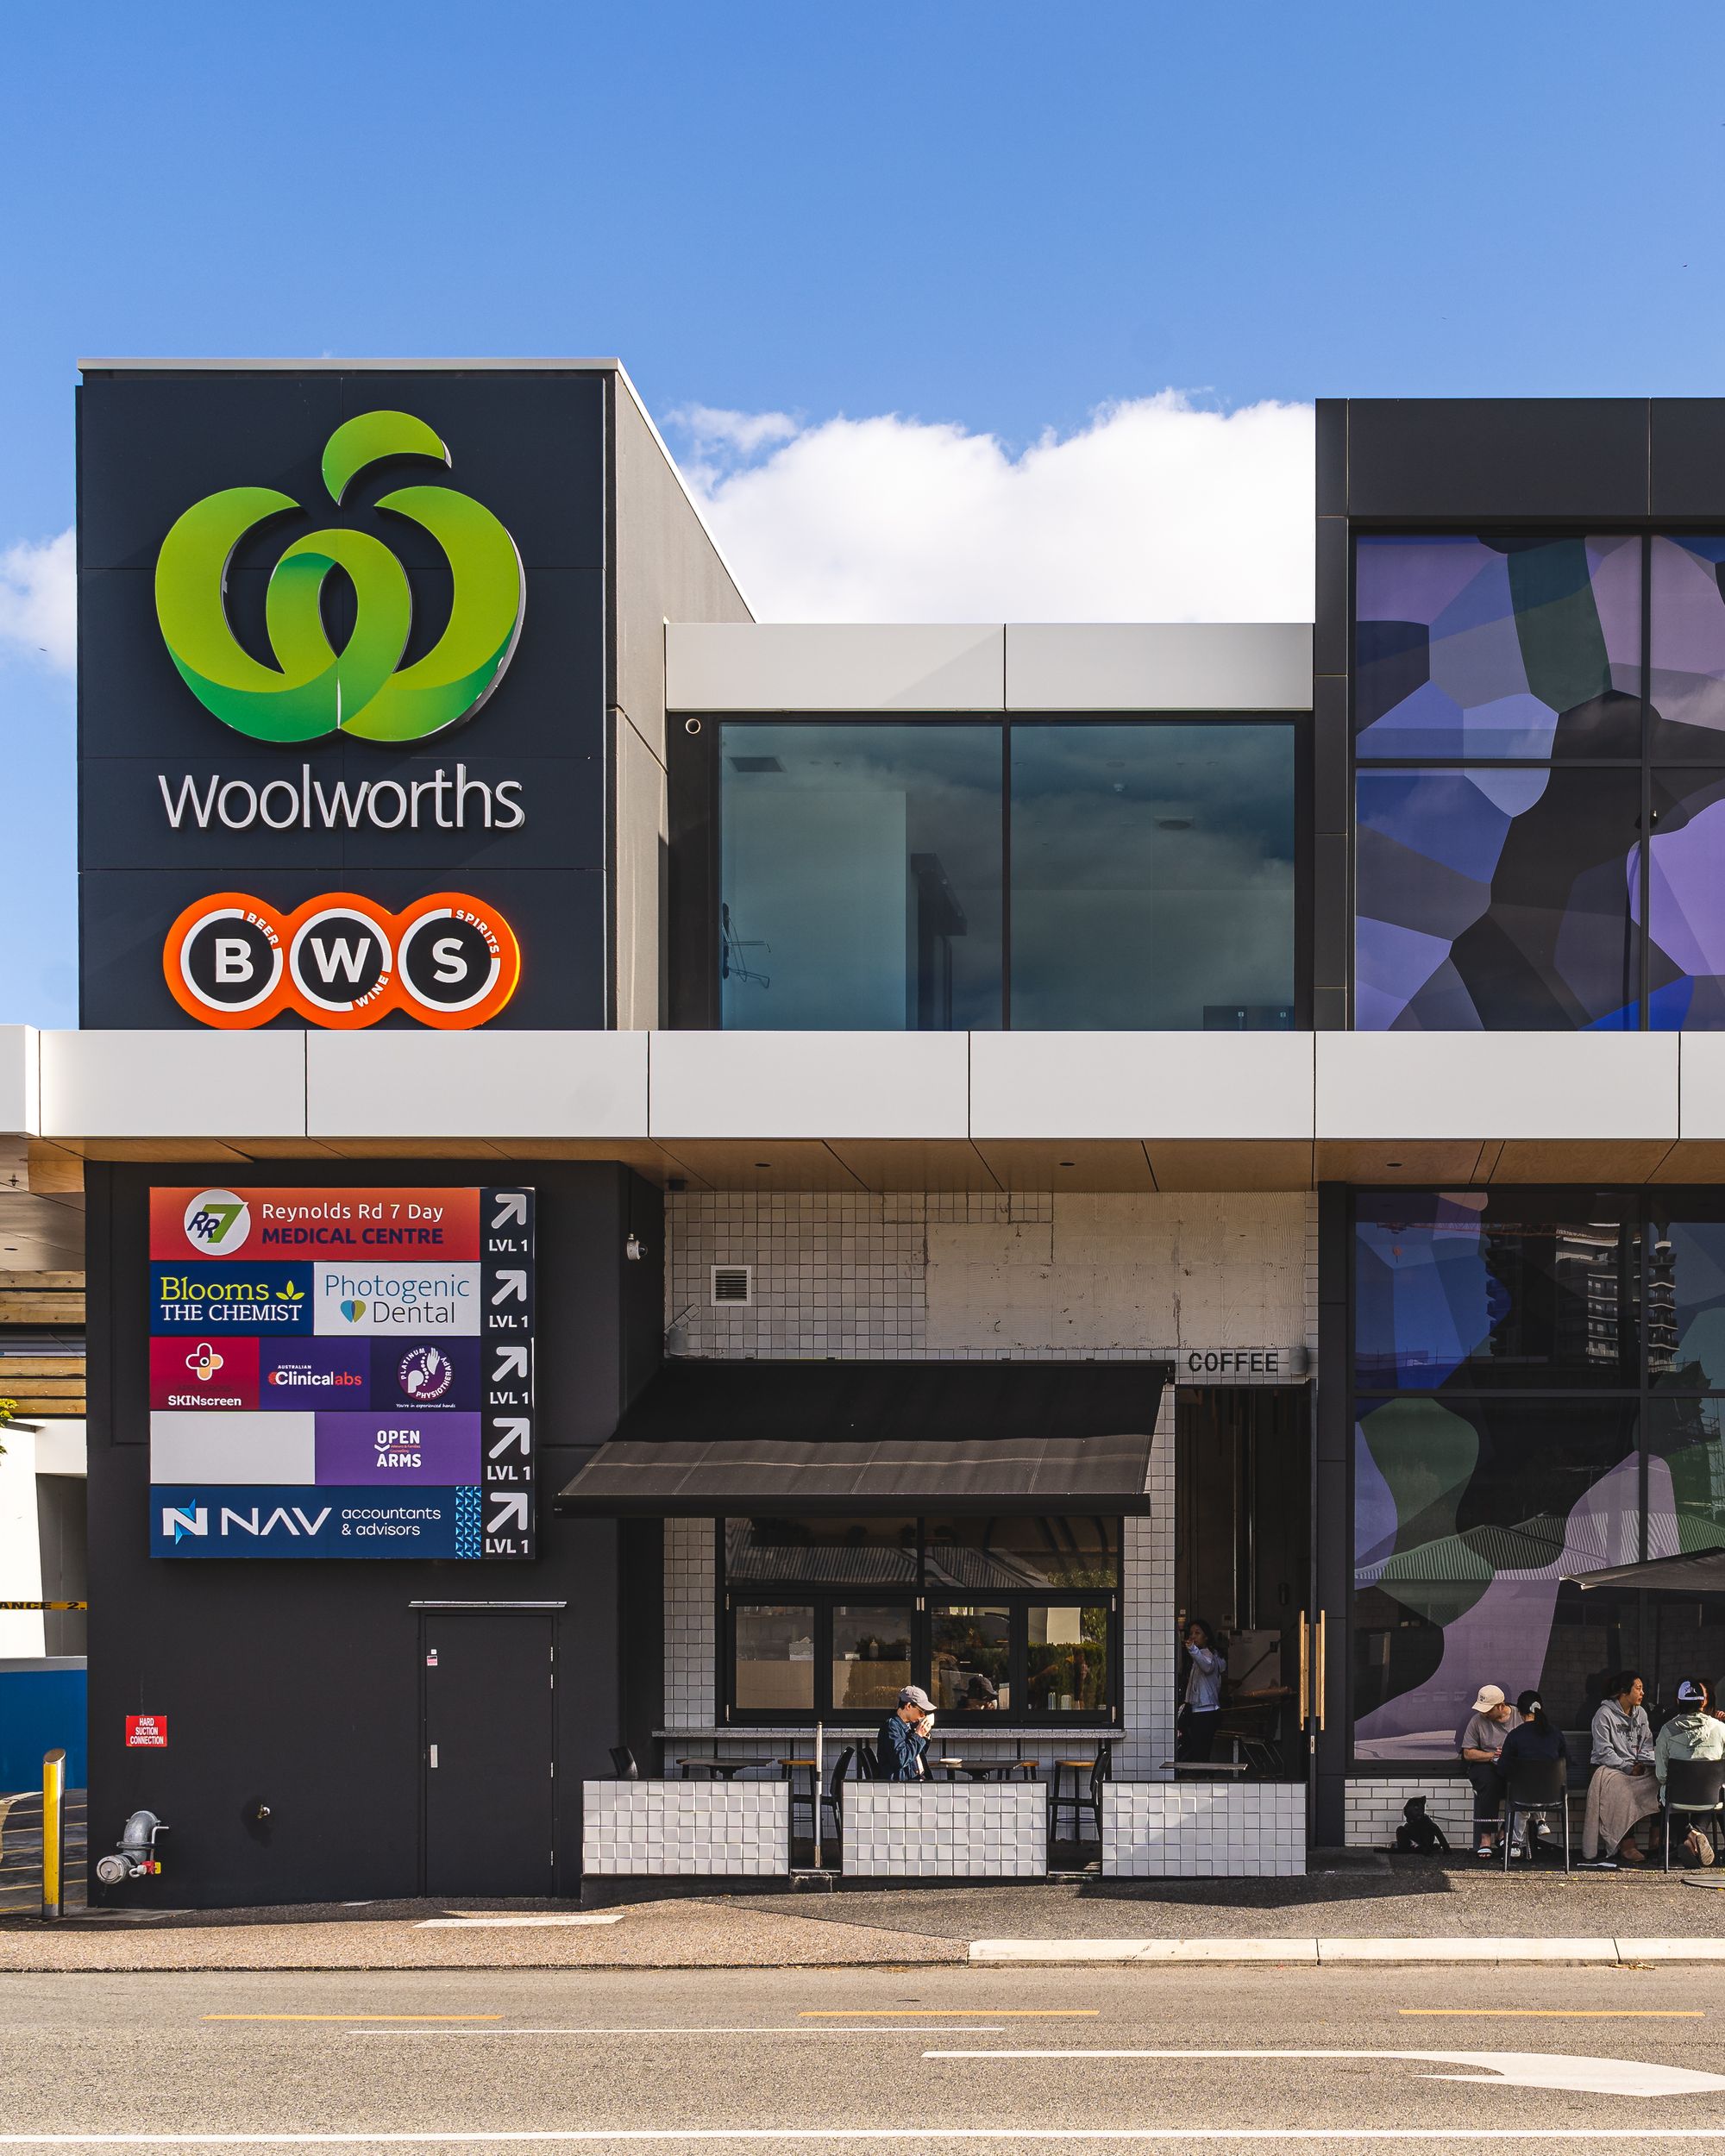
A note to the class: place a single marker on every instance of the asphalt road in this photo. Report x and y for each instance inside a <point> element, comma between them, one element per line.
<point>938,2059</point>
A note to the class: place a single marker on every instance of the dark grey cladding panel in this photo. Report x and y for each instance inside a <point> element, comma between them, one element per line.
<point>1487,458</point>
<point>1687,457</point>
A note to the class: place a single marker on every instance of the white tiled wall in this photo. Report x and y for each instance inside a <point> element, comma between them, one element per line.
<point>945,1830</point>
<point>1374,1809</point>
<point>722,1829</point>
<point>1026,1275</point>
<point>1203,1830</point>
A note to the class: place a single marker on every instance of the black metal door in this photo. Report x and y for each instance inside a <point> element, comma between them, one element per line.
<point>490,1756</point>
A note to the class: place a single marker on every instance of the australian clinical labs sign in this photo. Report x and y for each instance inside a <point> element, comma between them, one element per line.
<point>341,1373</point>
<point>341,696</point>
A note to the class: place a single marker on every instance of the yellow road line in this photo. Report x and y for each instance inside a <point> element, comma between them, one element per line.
<point>1568,2013</point>
<point>932,2013</point>
<point>350,2017</point>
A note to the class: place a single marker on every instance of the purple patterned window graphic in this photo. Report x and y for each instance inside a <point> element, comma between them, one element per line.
<point>1497,899</point>
<point>1474,648</point>
<point>1688,647</point>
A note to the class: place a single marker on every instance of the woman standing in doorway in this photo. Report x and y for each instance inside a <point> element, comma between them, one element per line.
<point>1205,1666</point>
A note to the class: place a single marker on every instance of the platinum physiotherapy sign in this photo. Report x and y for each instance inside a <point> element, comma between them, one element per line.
<point>341,1373</point>
<point>295,589</point>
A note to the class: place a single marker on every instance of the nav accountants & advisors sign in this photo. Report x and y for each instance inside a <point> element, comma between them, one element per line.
<point>341,1373</point>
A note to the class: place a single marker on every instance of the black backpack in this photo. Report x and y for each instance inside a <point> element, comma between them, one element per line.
<point>1418,1835</point>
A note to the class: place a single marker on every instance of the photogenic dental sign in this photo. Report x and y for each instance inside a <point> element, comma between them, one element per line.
<point>341,1373</point>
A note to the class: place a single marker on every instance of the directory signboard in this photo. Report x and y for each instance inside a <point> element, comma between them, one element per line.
<point>341,1373</point>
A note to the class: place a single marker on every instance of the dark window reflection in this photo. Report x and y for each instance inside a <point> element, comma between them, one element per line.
<point>1448,1295</point>
<point>1152,873</point>
<point>861,879</point>
<point>1685,1476</point>
<point>997,1554</point>
<point>814,1553</point>
<point>1468,1517</point>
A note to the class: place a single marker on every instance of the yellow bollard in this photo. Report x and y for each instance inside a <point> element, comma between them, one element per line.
<point>53,1832</point>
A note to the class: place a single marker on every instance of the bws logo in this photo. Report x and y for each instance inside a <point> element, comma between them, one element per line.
<point>234,961</point>
<point>312,689</point>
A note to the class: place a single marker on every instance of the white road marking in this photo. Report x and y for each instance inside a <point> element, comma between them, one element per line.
<point>742,2028</point>
<point>1509,2069</point>
<point>932,2137</point>
<point>503,1923</point>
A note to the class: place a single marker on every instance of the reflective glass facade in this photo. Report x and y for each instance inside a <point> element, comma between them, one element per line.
<point>1536,1393</point>
<point>1055,876</point>
<point>1525,711</point>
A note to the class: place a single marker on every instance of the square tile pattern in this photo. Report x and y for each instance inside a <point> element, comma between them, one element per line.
<point>1375,1808</point>
<point>1165,1830</point>
<point>945,1830</point>
<point>687,1829</point>
<point>981,1275</point>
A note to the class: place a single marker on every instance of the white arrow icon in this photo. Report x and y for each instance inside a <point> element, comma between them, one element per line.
<point>511,1362</point>
<point>511,1505</point>
<point>511,1286</point>
<point>511,1208</point>
<point>516,1429</point>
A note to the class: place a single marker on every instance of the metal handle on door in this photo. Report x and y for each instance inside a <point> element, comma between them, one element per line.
<point>1305,1696</point>
<point>434,1755</point>
<point>1322,1672</point>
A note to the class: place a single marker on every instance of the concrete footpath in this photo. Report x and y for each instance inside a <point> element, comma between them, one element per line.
<point>1360,1910</point>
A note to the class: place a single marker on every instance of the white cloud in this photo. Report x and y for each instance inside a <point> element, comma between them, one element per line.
<point>1154,511</point>
<point>39,601</point>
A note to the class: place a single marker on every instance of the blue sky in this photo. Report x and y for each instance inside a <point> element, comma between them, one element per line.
<point>998,216</point>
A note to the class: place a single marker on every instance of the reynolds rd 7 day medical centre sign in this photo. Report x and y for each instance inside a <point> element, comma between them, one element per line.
<point>341,1373</point>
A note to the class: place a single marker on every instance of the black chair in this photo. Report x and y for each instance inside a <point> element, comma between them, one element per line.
<point>867,1763</point>
<point>834,1799</point>
<point>624,1760</point>
<point>1075,1803</point>
<point>1536,1788</point>
<point>1694,1786</point>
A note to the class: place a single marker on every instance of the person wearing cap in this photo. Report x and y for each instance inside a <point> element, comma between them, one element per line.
<point>1623,1791</point>
<point>1481,1747</point>
<point>1690,1733</point>
<point>903,1739</point>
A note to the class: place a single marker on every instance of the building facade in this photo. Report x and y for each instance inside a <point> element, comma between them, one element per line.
<point>831,1157</point>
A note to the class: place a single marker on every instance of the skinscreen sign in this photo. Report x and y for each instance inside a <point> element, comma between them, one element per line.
<point>341,696</point>
<point>341,1373</point>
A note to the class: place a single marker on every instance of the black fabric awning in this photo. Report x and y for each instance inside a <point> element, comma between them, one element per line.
<point>706,1437</point>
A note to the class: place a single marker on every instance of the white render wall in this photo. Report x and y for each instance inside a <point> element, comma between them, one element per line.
<point>974,1276</point>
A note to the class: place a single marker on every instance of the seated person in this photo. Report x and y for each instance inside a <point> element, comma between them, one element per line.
<point>1690,1733</point>
<point>1623,1791</point>
<point>1536,1736</point>
<point>1481,1743</point>
<point>980,1695</point>
<point>902,1742</point>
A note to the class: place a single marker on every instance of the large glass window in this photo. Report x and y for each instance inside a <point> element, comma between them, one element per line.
<point>1152,877</point>
<point>833,1617</point>
<point>1148,867</point>
<point>1539,1393</point>
<point>861,877</point>
<point>1540,786</point>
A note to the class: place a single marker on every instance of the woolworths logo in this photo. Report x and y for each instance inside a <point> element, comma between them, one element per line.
<point>313,689</point>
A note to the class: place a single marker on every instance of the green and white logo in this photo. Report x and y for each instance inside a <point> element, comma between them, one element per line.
<point>363,689</point>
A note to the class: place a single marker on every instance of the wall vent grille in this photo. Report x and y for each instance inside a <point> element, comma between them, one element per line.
<point>733,1284</point>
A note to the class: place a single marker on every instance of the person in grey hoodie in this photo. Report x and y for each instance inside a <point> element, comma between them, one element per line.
<point>1690,1733</point>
